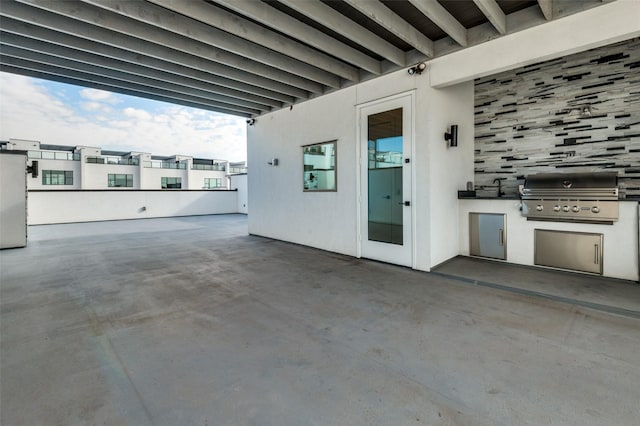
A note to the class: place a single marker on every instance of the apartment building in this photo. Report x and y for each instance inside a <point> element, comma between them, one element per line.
<point>79,167</point>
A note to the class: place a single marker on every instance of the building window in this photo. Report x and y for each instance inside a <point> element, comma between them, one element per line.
<point>210,183</point>
<point>171,183</point>
<point>57,177</point>
<point>319,167</point>
<point>95,160</point>
<point>120,181</point>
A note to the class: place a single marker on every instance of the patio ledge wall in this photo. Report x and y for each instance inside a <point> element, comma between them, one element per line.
<point>47,207</point>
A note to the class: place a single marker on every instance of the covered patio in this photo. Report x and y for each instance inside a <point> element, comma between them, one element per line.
<point>191,321</point>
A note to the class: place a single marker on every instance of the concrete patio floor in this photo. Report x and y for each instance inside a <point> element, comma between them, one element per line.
<point>189,321</point>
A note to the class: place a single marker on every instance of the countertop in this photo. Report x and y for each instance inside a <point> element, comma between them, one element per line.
<point>633,198</point>
<point>489,198</point>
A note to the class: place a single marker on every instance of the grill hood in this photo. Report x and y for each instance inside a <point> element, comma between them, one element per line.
<point>569,181</point>
<point>582,186</point>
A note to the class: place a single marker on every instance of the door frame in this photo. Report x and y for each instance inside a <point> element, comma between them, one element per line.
<point>410,95</point>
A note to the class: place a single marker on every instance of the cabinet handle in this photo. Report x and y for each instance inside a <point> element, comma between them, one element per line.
<point>501,236</point>
<point>597,251</point>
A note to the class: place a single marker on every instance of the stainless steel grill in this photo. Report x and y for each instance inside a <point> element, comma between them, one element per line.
<point>571,197</point>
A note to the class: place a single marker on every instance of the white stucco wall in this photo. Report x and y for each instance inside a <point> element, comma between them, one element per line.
<point>88,206</point>
<point>96,176</point>
<point>448,168</point>
<point>153,177</point>
<point>196,178</point>
<point>239,183</point>
<point>279,207</point>
<point>13,188</point>
<point>328,220</point>
<point>64,165</point>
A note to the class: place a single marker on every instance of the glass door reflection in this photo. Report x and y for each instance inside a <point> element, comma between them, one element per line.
<point>384,136</point>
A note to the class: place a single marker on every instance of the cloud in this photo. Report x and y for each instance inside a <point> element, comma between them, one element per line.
<point>23,100</point>
<point>96,107</point>
<point>97,95</point>
<point>138,114</point>
<point>55,113</point>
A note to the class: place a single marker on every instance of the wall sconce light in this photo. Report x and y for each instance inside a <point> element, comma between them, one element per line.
<point>33,169</point>
<point>417,69</point>
<point>452,136</point>
<point>251,121</point>
<point>273,162</point>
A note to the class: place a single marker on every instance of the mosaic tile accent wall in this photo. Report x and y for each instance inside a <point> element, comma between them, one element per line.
<point>578,113</point>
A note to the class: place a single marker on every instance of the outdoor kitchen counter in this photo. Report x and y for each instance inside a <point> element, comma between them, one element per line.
<point>620,239</point>
<point>487,198</point>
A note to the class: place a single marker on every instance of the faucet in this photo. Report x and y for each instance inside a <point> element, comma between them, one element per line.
<point>499,180</point>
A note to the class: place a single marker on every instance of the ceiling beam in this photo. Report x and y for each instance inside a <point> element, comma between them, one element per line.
<point>118,24</point>
<point>280,21</point>
<point>175,23</point>
<point>443,19</point>
<point>378,12</point>
<point>92,84</point>
<point>19,47</point>
<point>33,69</point>
<point>28,34</point>
<point>547,8</point>
<point>334,20</point>
<point>144,53</point>
<point>258,34</point>
<point>20,57</point>
<point>494,14</point>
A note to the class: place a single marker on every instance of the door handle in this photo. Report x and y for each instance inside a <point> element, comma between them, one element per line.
<point>596,259</point>
<point>387,197</point>
<point>406,203</point>
<point>501,236</point>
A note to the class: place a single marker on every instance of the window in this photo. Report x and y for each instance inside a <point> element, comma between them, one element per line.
<point>171,183</point>
<point>319,167</point>
<point>120,181</point>
<point>57,177</point>
<point>210,183</point>
<point>156,164</point>
<point>95,160</point>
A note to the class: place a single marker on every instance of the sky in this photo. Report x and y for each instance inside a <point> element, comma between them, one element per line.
<point>64,114</point>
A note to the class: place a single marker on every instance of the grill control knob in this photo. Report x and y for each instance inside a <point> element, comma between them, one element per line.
<point>565,208</point>
<point>595,209</point>
<point>539,207</point>
<point>556,208</point>
<point>575,209</point>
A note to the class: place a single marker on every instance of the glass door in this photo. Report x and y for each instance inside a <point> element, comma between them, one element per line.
<point>385,144</point>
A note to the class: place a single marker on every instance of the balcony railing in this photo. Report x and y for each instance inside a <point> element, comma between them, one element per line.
<point>218,167</point>
<point>237,170</point>
<point>113,160</point>
<point>163,165</point>
<point>53,155</point>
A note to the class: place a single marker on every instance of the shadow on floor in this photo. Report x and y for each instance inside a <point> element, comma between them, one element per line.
<point>615,296</point>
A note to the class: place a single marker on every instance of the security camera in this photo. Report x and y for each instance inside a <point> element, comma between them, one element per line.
<point>417,69</point>
<point>251,121</point>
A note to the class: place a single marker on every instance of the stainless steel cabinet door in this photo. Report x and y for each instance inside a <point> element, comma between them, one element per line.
<point>487,235</point>
<point>578,251</point>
